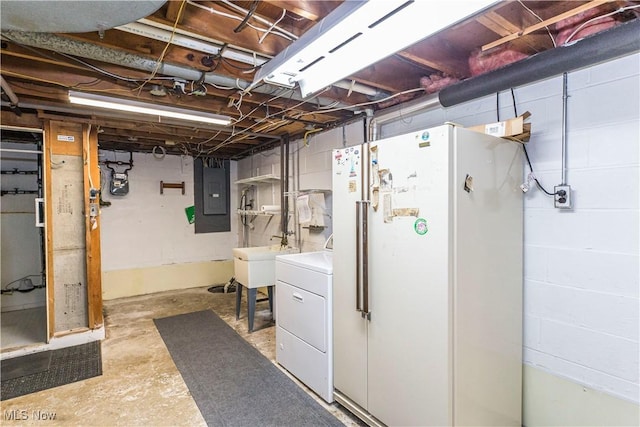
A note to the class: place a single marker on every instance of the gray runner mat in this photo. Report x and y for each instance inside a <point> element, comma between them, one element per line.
<point>232,383</point>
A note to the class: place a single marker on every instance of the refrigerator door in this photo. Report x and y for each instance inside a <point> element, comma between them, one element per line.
<point>488,286</point>
<point>349,328</point>
<point>409,371</point>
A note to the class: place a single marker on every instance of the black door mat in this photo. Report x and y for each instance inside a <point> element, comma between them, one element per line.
<point>26,374</point>
<point>26,365</point>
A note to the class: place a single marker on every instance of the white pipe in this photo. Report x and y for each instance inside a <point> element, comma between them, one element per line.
<point>402,110</point>
<point>100,53</point>
<point>162,32</point>
<point>20,128</point>
<point>154,30</point>
<point>358,87</point>
<point>15,150</point>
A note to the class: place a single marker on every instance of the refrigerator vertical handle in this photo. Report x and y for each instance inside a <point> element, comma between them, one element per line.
<point>39,212</point>
<point>365,259</point>
<point>358,254</point>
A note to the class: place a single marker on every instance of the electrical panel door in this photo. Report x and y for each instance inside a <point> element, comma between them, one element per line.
<point>215,191</point>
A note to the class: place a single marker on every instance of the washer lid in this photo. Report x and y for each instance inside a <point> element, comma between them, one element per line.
<point>321,261</point>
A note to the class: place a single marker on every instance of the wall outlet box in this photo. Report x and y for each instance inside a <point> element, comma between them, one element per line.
<point>562,196</point>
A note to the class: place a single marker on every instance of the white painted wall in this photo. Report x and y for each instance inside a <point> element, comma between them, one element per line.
<point>582,266</point>
<point>21,250</point>
<point>310,170</point>
<point>144,232</point>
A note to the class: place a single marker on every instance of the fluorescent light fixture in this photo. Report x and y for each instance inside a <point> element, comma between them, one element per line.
<point>357,34</point>
<point>132,106</point>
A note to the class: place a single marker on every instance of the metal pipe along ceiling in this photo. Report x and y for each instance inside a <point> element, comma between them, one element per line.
<point>609,44</point>
<point>112,56</point>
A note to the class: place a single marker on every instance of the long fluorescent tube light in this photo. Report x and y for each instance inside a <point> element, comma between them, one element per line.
<point>132,106</point>
<point>358,34</point>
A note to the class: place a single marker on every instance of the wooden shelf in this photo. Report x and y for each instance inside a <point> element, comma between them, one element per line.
<point>262,179</point>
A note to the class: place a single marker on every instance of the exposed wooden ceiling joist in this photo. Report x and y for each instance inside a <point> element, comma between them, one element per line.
<point>41,76</point>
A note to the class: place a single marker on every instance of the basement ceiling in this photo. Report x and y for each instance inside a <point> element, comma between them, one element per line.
<point>203,55</point>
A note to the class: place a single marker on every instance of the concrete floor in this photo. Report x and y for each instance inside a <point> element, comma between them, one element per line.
<point>140,384</point>
<point>23,327</point>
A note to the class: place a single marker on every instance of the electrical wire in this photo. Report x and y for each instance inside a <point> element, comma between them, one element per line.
<point>284,13</point>
<point>541,20</point>
<point>584,24</point>
<point>524,148</point>
<point>230,139</point>
<point>280,32</point>
<point>245,20</point>
<point>220,87</point>
<point>100,70</point>
<point>86,64</point>
<point>232,65</point>
<point>166,48</point>
<point>362,104</point>
<point>7,290</point>
<point>533,174</point>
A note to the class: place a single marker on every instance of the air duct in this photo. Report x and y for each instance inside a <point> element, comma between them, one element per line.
<point>606,45</point>
<point>99,53</point>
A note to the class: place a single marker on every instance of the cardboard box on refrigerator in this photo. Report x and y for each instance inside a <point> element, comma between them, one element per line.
<point>514,129</point>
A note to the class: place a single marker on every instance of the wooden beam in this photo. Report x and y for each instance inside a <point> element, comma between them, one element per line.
<point>545,23</point>
<point>92,226</point>
<point>498,24</point>
<point>308,12</point>
<point>48,229</point>
<point>438,66</point>
<point>26,120</point>
<point>175,10</point>
<point>503,27</point>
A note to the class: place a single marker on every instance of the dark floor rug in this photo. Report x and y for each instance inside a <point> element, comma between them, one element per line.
<point>232,383</point>
<point>40,371</point>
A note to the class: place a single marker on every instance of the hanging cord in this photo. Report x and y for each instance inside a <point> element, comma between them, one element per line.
<point>166,48</point>
<point>524,147</point>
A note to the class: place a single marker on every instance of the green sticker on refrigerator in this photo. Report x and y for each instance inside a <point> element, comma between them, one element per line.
<point>421,226</point>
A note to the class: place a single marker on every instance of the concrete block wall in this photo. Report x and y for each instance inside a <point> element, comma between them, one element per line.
<point>582,266</point>
<point>310,169</point>
<point>147,243</point>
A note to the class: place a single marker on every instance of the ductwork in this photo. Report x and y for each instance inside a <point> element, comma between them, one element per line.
<point>99,53</point>
<point>609,44</point>
<point>73,16</point>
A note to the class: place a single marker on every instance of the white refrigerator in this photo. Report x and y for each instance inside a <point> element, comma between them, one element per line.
<point>427,279</point>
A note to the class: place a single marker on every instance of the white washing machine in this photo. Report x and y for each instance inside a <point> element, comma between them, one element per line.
<point>304,337</point>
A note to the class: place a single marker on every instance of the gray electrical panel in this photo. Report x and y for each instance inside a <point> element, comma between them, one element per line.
<point>214,197</point>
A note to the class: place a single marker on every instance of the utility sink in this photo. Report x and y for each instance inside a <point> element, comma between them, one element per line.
<point>255,267</point>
